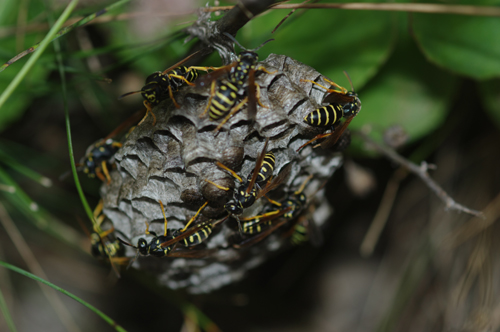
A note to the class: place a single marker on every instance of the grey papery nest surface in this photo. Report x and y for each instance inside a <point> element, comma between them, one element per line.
<point>170,161</point>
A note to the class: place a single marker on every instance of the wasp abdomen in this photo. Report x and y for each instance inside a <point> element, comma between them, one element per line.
<point>223,101</point>
<point>325,116</point>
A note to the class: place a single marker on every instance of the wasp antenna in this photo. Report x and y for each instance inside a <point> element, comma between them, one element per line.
<point>234,39</point>
<point>264,43</point>
<point>130,245</point>
<point>126,243</point>
<point>349,78</point>
<point>128,94</point>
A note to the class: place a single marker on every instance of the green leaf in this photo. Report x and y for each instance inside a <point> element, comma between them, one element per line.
<point>409,92</point>
<point>490,93</point>
<point>468,45</point>
<point>330,41</point>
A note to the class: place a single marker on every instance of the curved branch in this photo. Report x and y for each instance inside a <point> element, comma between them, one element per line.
<point>210,33</point>
<point>240,14</point>
<point>420,171</point>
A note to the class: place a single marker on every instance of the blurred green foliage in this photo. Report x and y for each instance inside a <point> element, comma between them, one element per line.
<point>405,67</point>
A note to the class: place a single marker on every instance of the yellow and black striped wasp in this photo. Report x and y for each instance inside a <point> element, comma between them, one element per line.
<point>342,104</point>
<point>103,243</point>
<point>259,223</point>
<point>162,84</point>
<point>263,225</point>
<point>164,245</point>
<point>224,92</point>
<point>99,159</point>
<point>247,193</point>
<point>304,229</point>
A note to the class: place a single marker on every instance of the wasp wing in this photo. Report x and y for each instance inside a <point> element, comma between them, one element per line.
<point>336,134</point>
<point>206,80</point>
<point>258,165</point>
<point>180,62</point>
<point>275,182</point>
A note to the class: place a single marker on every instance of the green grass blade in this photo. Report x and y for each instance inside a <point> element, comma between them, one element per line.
<point>26,171</point>
<point>85,204</point>
<point>64,31</point>
<point>57,288</point>
<point>6,313</point>
<point>42,219</point>
<point>31,61</point>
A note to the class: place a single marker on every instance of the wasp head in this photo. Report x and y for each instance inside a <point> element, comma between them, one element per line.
<point>352,108</point>
<point>143,247</point>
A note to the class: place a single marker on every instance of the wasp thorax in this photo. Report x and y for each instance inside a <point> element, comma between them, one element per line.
<point>243,198</point>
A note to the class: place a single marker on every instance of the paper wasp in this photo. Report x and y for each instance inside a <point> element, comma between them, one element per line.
<point>164,245</point>
<point>225,92</point>
<point>259,223</point>
<point>263,225</point>
<point>99,156</point>
<point>342,104</point>
<point>99,159</point>
<point>162,84</point>
<point>103,244</point>
<point>304,229</point>
<point>246,194</point>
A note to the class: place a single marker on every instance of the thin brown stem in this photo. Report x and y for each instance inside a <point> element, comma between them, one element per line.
<point>421,171</point>
<point>383,212</point>
<point>398,7</point>
<point>35,267</point>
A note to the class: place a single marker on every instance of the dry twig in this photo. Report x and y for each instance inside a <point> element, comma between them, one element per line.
<point>428,8</point>
<point>421,171</point>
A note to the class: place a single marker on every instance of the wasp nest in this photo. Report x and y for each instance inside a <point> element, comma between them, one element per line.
<point>171,161</point>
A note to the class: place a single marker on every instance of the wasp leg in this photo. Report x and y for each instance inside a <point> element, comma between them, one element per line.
<point>171,94</point>
<point>98,209</point>
<point>303,185</point>
<point>272,201</point>
<point>100,175</point>
<point>165,219</point>
<point>194,217</point>
<point>342,90</point>
<point>106,233</point>
<point>105,171</point>
<point>182,78</point>
<point>233,173</point>
<point>230,115</point>
<point>257,96</point>
<point>312,140</point>
<point>212,94</point>
<point>265,70</point>
<point>218,186</point>
<point>147,232</point>
<point>148,110</point>
<point>203,68</point>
